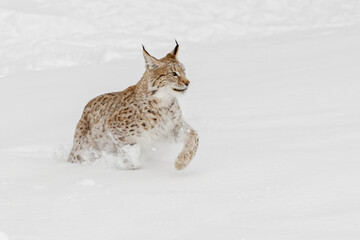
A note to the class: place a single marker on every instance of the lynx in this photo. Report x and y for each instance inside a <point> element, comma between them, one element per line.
<point>142,113</point>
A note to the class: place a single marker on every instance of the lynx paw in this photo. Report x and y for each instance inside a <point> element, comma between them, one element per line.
<point>129,157</point>
<point>179,165</point>
<point>129,165</point>
<point>75,158</point>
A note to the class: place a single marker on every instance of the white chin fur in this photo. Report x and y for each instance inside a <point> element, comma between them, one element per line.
<point>167,93</point>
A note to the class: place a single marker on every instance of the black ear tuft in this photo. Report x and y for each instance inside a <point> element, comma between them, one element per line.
<point>150,61</point>
<point>173,53</point>
<point>145,50</point>
<point>176,48</point>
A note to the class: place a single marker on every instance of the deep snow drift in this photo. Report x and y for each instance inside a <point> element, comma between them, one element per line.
<point>278,120</point>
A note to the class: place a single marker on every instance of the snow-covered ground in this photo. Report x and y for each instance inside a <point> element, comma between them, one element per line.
<point>274,96</point>
<point>94,31</point>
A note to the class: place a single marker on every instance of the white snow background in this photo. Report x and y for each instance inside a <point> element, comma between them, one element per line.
<point>274,96</point>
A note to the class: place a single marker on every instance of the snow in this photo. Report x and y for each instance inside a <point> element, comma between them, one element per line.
<point>96,31</point>
<point>3,236</point>
<point>274,96</point>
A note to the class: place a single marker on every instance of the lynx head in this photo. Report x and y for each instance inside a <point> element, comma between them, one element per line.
<point>166,75</point>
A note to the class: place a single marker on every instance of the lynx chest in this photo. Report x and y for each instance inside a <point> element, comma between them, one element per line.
<point>162,121</point>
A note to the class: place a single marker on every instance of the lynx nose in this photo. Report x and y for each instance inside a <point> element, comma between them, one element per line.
<point>186,82</point>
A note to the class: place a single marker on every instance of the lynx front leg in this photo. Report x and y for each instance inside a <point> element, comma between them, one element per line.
<point>128,153</point>
<point>191,142</point>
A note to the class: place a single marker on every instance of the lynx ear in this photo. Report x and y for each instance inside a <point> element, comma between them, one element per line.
<point>150,61</point>
<point>174,52</point>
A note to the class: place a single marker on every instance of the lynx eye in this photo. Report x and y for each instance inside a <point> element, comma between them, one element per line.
<point>175,74</point>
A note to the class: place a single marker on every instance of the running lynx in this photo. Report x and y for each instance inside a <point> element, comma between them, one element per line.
<point>142,113</point>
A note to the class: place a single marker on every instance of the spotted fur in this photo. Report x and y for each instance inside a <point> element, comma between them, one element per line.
<point>140,114</point>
